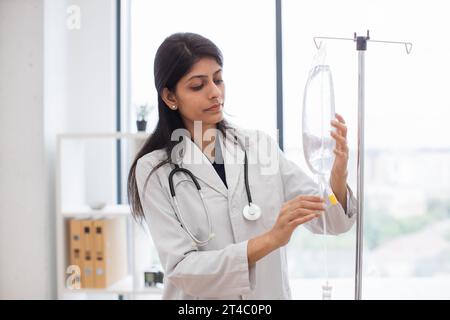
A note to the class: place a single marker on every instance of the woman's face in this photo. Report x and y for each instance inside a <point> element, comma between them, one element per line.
<point>199,95</point>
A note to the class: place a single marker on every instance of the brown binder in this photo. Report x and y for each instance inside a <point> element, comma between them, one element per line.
<point>110,258</point>
<point>99,254</point>
<point>75,247</point>
<point>87,273</point>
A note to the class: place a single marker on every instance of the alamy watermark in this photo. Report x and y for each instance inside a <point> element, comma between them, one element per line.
<point>260,148</point>
<point>73,20</point>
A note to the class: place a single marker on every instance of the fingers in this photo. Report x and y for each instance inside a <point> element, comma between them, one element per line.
<point>302,197</point>
<point>303,219</point>
<point>340,135</point>
<point>340,125</point>
<point>339,117</point>
<point>339,153</point>
<point>339,138</point>
<point>309,205</point>
<point>302,205</point>
<point>341,149</point>
<point>299,213</point>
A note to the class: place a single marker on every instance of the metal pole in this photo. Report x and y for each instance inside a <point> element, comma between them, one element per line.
<point>361,46</point>
<point>361,43</point>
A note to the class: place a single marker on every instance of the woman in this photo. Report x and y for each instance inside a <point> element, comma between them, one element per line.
<point>254,197</point>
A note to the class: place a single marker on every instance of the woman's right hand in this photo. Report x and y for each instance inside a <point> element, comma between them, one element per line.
<point>293,213</point>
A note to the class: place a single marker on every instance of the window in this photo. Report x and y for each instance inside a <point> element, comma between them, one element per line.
<point>248,47</point>
<point>407,174</point>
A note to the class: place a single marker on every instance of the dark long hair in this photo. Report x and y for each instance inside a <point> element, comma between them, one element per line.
<point>174,58</point>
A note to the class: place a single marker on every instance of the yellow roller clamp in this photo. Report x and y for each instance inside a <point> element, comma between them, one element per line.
<point>332,199</point>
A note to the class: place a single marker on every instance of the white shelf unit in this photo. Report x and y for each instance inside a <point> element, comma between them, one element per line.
<point>86,172</point>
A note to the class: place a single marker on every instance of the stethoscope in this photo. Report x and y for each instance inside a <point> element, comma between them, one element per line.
<point>250,212</point>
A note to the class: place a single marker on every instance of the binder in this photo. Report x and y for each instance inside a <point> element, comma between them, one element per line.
<point>99,255</point>
<point>75,247</point>
<point>87,243</point>
<point>110,258</point>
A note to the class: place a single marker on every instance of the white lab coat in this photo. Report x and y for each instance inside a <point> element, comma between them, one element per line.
<point>220,270</point>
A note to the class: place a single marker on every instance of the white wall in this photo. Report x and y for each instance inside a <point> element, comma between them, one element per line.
<point>26,233</point>
<point>52,80</point>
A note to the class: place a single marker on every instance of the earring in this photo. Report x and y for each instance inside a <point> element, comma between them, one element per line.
<point>174,107</point>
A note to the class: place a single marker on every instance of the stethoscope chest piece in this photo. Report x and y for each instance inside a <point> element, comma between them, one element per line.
<point>252,212</point>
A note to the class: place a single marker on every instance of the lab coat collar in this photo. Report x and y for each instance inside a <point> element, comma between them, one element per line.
<point>193,159</point>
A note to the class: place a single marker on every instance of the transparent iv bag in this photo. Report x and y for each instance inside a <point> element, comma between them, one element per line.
<point>318,111</point>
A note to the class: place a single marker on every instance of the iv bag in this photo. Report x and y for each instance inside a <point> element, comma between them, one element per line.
<point>318,111</point>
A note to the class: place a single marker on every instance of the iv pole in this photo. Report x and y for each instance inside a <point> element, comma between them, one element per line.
<point>361,47</point>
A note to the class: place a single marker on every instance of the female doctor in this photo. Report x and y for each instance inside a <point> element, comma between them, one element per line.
<point>222,202</point>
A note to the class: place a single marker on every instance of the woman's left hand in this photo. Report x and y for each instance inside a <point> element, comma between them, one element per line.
<point>341,150</point>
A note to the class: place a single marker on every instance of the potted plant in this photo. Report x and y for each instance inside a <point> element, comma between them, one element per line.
<point>141,119</point>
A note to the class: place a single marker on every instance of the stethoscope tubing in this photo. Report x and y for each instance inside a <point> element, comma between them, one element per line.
<point>178,169</point>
